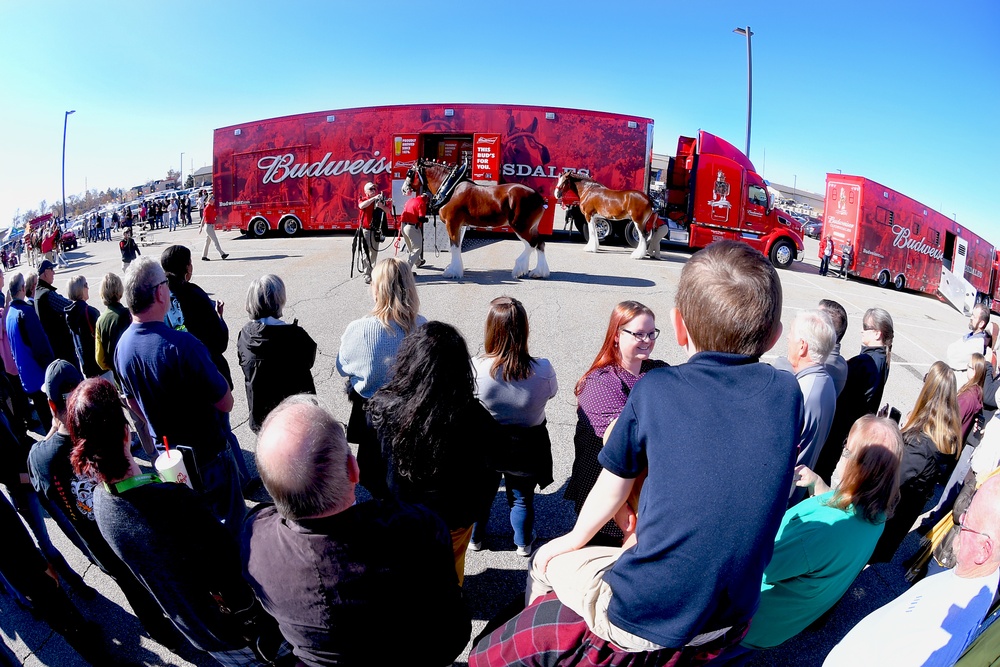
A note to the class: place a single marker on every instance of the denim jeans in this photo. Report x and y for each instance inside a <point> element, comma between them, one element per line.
<point>521,500</point>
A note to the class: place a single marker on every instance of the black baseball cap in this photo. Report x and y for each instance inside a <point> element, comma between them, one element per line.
<point>61,378</point>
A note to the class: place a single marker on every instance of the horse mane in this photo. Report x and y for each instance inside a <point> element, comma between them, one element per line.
<point>577,176</point>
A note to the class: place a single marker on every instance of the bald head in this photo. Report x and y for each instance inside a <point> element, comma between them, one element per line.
<point>979,544</point>
<point>304,460</point>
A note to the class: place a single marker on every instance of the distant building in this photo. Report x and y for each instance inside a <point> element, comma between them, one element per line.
<point>202,177</point>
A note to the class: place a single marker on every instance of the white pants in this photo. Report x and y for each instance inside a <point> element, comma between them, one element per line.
<point>414,243</point>
<point>209,238</point>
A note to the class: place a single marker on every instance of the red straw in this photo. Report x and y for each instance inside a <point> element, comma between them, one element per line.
<point>166,445</point>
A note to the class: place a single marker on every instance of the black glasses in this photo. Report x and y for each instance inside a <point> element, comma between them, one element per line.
<point>962,526</point>
<point>642,336</point>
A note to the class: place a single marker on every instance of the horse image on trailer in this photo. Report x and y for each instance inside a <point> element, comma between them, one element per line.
<point>307,171</point>
<point>899,241</point>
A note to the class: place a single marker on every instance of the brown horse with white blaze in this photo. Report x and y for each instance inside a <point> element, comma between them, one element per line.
<point>597,200</point>
<point>512,204</point>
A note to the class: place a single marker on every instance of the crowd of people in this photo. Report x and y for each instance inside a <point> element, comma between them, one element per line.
<point>710,526</point>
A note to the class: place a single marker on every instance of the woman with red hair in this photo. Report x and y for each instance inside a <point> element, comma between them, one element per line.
<point>601,394</point>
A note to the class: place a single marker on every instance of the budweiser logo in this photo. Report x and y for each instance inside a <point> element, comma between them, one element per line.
<point>903,240</point>
<point>486,140</point>
<point>277,168</point>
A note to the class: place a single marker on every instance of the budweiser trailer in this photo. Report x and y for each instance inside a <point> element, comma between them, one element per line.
<point>307,171</point>
<point>899,241</point>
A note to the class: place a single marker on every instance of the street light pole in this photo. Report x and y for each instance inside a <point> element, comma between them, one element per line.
<point>180,185</point>
<point>748,33</point>
<point>65,121</point>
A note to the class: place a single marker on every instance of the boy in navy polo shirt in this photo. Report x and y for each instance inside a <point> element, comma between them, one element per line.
<point>718,435</point>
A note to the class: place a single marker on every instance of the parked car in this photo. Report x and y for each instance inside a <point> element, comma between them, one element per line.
<point>68,240</point>
<point>812,229</point>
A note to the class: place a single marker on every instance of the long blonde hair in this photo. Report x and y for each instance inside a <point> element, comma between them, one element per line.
<point>395,293</point>
<point>936,411</point>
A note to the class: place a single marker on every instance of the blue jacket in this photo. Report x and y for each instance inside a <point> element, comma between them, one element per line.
<point>30,345</point>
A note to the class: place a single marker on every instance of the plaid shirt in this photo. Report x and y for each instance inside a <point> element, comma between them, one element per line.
<point>548,633</point>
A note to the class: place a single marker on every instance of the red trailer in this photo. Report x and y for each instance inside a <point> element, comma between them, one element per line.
<point>900,241</point>
<point>306,171</point>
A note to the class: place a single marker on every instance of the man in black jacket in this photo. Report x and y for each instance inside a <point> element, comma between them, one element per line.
<point>331,570</point>
<point>51,308</point>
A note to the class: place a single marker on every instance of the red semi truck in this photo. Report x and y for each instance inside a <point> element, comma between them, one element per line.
<point>307,171</point>
<point>899,241</point>
<point>713,192</point>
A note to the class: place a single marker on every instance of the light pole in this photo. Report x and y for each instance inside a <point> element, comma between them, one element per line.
<point>180,185</point>
<point>748,33</point>
<point>65,121</point>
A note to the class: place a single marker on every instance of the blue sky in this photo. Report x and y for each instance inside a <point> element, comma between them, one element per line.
<point>905,93</point>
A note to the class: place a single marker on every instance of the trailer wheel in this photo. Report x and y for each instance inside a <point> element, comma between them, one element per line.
<point>631,234</point>
<point>899,283</point>
<point>603,230</point>
<point>290,226</point>
<point>258,227</point>
<point>884,278</point>
<point>782,254</point>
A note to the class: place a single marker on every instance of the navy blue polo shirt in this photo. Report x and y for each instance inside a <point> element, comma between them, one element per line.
<point>719,436</point>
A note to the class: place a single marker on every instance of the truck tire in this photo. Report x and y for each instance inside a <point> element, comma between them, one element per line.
<point>258,227</point>
<point>899,283</point>
<point>290,225</point>
<point>631,234</point>
<point>603,230</point>
<point>884,278</point>
<point>782,253</point>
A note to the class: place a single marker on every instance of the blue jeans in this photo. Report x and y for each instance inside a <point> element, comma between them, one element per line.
<point>521,501</point>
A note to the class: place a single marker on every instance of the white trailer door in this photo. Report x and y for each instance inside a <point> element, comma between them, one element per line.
<point>961,250</point>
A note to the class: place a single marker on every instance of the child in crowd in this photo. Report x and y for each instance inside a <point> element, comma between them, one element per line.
<point>718,436</point>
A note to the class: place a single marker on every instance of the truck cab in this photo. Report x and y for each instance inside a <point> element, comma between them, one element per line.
<point>714,194</point>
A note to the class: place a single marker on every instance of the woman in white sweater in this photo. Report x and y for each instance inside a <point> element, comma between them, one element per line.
<point>367,352</point>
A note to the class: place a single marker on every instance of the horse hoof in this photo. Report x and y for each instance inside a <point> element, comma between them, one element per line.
<point>541,275</point>
<point>637,254</point>
<point>453,275</point>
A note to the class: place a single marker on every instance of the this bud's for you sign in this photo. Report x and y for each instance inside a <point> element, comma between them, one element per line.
<point>486,158</point>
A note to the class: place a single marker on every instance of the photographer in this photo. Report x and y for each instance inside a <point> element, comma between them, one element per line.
<point>370,202</point>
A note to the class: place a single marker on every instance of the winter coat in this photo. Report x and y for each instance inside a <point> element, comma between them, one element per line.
<point>276,360</point>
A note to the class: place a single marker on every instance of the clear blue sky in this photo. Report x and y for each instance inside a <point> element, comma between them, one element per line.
<point>905,93</point>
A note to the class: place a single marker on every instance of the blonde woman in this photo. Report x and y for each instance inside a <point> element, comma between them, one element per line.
<point>367,351</point>
<point>932,439</point>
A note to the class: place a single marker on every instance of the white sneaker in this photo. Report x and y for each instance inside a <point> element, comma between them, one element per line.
<point>526,550</point>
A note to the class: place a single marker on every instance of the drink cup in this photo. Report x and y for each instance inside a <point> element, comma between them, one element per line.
<point>170,466</point>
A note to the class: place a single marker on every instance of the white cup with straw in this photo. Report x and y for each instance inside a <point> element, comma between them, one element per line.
<point>170,466</point>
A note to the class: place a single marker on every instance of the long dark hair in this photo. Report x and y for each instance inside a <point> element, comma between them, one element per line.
<point>432,383</point>
<point>506,339</point>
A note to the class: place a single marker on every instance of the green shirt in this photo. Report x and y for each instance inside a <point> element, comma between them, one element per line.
<point>818,552</point>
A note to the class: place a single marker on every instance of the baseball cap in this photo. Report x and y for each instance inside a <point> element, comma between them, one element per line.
<point>45,266</point>
<point>61,378</point>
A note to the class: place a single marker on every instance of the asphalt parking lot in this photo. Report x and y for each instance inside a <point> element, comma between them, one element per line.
<point>568,315</point>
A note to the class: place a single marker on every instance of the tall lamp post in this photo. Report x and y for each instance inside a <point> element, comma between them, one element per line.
<point>180,184</point>
<point>747,32</point>
<point>65,121</point>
